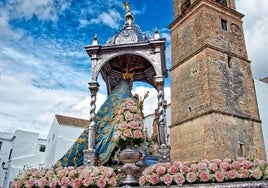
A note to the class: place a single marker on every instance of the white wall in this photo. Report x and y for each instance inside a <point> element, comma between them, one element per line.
<point>6,139</point>
<point>60,138</point>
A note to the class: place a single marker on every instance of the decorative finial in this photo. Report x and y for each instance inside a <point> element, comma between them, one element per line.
<point>128,75</point>
<point>156,33</point>
<point>127,7</point>
<point>95,40</point>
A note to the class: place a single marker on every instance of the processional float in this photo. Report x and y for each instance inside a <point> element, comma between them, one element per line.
<point>133,50</point>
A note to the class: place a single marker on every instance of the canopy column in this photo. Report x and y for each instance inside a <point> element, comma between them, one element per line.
<point>89,153</point>
<point>163,147</point>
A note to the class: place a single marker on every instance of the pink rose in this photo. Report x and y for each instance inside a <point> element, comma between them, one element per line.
<point>69,168</point>
<point>137,117</point>
<point>177,163</point>
<point>61,173</point>
<point>236,165</point>
<point>127,133</point>
<point>53,183</point>
<point>112,182</point>
<point>167,179</point>
<point>217,161</point>
<point>194,168</point>
<point>101,182</point>
<point>108,172</point>
<point>87,182</point>
<point>122,125</point>
<point>185,168</point>
<point>219,176</point>
<point>191,177</point>
<point>202,166</point>
<point>225,166</point>
<point>167,164</point>
<point>36,174</point>
<point>84,173</point>
<point>49,173</point>
<point>179,178</point>
<point>130,102</point>
<point>161,170</point>
<point>244,173</point>
<point>256,173</point>
<point>213,167</point>
<point>204,176</point>
<point>173,169</point>
<point>72,174</point>
<point>65,182</point>
<point>260,163</point>
<point>76,183</point>
<point>227,160</point>
<point>29,184</point>
<point>154,179</point>
<point>17,184</point>
<point>42,182</point>
<point>138,134</point>
<point>133,108</point>
<point>142,180</point>
<point>133,124</point>
<point>129,116</point>
<point>246,164</point>
<point>149,170</point>
<point>231,174</point>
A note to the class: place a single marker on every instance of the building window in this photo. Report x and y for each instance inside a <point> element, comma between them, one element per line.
<point>42,148</point>
<point>1,145</point>
<point>224,24</point>
<point>10,154</point>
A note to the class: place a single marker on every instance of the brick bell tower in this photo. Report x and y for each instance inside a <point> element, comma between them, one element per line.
<point>214,111</point>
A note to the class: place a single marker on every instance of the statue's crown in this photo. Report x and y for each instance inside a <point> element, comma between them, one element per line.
<point>128,75</point>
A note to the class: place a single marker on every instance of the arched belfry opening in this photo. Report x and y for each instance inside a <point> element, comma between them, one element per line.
<point>134,51</point>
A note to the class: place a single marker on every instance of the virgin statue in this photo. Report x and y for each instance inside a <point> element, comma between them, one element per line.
<point>105,130</point>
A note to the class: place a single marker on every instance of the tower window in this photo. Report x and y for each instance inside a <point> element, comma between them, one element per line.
<point>229,62</point>
<point>222,2</point>
<point>185,5</point>
<point>242,152</point>
<point>1,145</point>
<point>224,24</point>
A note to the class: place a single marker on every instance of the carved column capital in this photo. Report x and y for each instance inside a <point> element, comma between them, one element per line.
<point>93,87</point>
<point>159,82</point>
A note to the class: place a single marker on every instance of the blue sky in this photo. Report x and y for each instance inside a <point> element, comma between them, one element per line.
<point>44,69</point>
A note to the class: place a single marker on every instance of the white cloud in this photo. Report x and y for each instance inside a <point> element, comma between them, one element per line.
<point>110,18</point>
<point>256,29</point>
<point>30,108</point>
<point>43,9</point>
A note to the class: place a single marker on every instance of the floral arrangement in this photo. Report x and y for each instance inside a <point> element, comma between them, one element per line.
<point>75,177</point>
<point>128,123</point>
<point>216,170</point>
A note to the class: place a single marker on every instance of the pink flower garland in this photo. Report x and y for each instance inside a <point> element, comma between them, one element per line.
<point>75,177</point>
<point>215,170</point>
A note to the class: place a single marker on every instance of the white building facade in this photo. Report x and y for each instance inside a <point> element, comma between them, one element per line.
<point>18,150</point>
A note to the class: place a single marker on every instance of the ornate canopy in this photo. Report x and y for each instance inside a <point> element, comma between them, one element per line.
<point>132,48</point>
